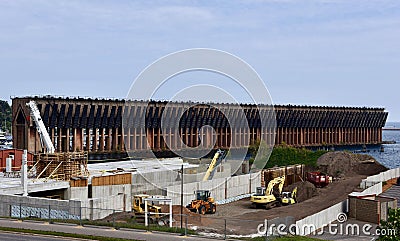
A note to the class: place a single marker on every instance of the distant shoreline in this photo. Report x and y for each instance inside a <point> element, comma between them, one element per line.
<point>390,129</point>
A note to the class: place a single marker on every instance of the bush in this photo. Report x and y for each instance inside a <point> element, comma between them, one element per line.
<point>390,228</point>
<point>284,155</point>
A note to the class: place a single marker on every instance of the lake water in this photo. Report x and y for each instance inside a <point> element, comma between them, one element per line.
<point>391,156</point>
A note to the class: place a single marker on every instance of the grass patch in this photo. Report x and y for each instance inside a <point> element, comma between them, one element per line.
<point>60,234</point>
<point>130,224</point>
<point>286,238</point>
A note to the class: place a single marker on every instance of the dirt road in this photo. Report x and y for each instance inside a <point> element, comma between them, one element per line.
<point>242,219</point>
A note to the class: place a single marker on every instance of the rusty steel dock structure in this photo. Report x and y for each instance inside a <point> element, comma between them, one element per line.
<point>98,126</point>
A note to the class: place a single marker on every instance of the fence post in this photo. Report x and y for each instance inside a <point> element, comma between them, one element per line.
<point>186,224</point>
<point>148,224</point>
<point>113,218</point>
<point>49,213</point>
<point>224,228</point>
<point>80,215</point>
<point>20,211</point>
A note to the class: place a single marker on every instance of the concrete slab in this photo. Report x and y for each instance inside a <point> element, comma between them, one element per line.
<point>13,185</point>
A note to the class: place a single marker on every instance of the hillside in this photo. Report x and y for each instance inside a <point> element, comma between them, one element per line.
<point>5,115</point>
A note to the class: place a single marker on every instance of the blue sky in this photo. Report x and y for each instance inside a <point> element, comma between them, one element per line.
<point>321,52</point>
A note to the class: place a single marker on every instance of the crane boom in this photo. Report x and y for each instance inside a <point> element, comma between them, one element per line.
<point>40,127</point>
<point>214,163</point>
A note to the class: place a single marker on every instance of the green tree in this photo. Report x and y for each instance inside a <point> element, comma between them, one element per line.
<point>259,152</point>
<point>5,116</point>
<point>390,229</point>
<point>282,155</point>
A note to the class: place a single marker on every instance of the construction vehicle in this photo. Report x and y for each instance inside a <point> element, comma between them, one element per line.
<point>288,198</point>
<point>45,139</point>
<point>319,179</point>
<point>203,203</point>
<point>155,214</point>
<point>217,159</point>
<point>264,197</point>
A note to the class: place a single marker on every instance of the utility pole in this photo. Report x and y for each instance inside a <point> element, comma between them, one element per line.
<point>181,197</point>
<point>24,174</point>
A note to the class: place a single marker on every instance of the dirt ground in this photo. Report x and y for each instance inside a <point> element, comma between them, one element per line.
<point>240,218</point>
<point>348,170</point>
<point>326,197</point>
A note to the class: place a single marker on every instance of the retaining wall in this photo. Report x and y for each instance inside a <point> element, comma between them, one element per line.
<point>372,185</point>
<point>25,206</point>
<point>103,201</point>
<point>375,189</point>
<point>318,220</point>
<point>154,183</point>
<point>221,188</point>
<point>106,199</point>
<point>381,177</point>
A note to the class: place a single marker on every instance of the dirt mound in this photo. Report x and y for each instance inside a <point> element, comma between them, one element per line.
<point>344,164</point>
<point>119,217</point>
<point>194,219</point>
<point>305,190</point>
<point>176,209</point>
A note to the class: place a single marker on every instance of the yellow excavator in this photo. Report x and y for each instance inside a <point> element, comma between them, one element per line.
<point>264,197</point>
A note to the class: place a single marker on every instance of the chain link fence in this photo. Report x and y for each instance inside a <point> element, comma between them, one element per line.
<point>186,223</point>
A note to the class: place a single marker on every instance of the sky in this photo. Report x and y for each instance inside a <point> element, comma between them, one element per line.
<point>322,52</point>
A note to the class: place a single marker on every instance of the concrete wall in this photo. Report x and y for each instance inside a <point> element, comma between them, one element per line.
<point>221,188</point>
<point>104,200</point>
<point>107,199</point>
<point>98,208</point>
<point>318,220</point>
<point>155,183</point>
<point>375,189</point>
<point>34,187</point>
<point>12,205</point>
<point>381,177</point>
<point>77,193</point>
<point>372,185</point>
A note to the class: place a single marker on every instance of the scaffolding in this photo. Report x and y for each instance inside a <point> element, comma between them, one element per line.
<point>61,166</point>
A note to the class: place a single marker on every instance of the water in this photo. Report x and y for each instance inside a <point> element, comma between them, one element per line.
<point>391,156</point>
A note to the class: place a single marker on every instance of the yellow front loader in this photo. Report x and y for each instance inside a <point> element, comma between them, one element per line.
<point>203,203</point>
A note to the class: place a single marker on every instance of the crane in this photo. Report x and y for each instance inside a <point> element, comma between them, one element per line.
<point>265,197</point>
<point>217,159</point>
<point>45,139</point>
